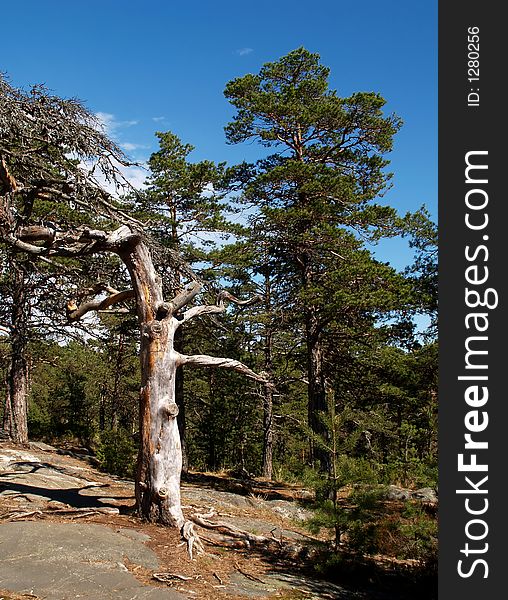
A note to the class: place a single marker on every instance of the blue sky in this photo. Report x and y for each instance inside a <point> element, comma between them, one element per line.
<point>162,65</point>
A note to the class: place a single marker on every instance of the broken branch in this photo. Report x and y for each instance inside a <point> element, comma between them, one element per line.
<point>203,360</point>
<point>74,312</point>
<point>184,297</point>
<point>217,308</point>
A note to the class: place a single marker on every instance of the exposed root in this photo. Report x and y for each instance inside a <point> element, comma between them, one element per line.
<point>72,513</point>
<point>245,539</point>
<point>225,542</point>
<point>231,531</point>
<point>192,539</point>
<point>16,515</point>
<point>170,577</point>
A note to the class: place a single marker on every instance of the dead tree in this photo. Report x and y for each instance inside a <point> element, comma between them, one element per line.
<point>42,137</point>
<point>160,454</point>
<point>15,420</point>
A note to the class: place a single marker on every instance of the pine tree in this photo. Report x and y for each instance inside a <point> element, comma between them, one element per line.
<point>327,169</point>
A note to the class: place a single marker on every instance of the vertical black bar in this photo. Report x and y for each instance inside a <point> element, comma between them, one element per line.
<point>472,119</point>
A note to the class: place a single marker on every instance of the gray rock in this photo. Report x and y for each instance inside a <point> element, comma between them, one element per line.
<point>133,534</point>
<point>42,446</point>
<point>312,589</point>
<point>289,510</point>
<point>396,493</point>
<point>60,561</point>
<point>209,497</point>
<point>425,494</point>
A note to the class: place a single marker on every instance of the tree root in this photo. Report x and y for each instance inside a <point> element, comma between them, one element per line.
<point>73,513</point>
<point>246,539</point>
<point>192,539</point>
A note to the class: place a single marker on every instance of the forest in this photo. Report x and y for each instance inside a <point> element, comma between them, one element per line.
<point>224,318</point>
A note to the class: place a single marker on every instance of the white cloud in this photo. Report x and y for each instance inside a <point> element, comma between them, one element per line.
<point>158,119</point>
<point>136,176</point>
<point>133,175</point>
<point>130,147</point>
<point>244,51</point>
<point>110,124</point>
<point>105,119</point>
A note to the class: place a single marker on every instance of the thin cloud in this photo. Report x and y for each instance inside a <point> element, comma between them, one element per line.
<point>244,51</point>
<point>130,147</point>
<point>136,176</point>
<point>110,123</point>
<point>133,175</point>
<point>158,119</point>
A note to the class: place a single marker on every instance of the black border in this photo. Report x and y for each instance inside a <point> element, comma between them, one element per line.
<point>464,128</point>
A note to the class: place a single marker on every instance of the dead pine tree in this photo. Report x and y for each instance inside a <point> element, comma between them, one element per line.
<point>160,454</point>
<point>41,137</point>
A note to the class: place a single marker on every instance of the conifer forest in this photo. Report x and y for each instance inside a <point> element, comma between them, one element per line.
<point>227,319</point>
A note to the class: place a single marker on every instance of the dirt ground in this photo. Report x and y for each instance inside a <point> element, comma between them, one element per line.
<point>39,484</point>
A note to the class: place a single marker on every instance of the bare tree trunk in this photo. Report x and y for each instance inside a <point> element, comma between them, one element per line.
<point>268,433</point>
<point>179,343</point>
<point>18,391</point>
<point>268,390</point>
<point>180,402</point>
<point>160,453</point>
<point>16,402</point>
<point>160,459</point>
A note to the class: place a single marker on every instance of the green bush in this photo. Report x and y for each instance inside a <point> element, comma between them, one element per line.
<point>419,534</point>
<point>116,452</point>
<point>353,518</point>
<point>413,472</point>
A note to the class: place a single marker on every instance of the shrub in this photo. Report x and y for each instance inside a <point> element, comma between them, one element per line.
<point>116,452</point>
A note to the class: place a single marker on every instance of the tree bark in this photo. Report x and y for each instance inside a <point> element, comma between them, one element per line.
<point>268,433</point>
<point>17,397</point>
<point>317,402</point>
<point>16,408</point>
<point>180,402</point>
<point>268,391</point>
<point>6,418</point>
<point>160,453</point>
<point>160,458</point>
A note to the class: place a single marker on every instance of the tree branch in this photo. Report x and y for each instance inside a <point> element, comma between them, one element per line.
<point>74,312</point>
<point>6,178</point>
<point>196,311</point>
<point>183,298</point>
<point>203,360</point>
<point>227,296</point>
<point>214,309</point>
<point>24,247</point>
<point>71,243</point>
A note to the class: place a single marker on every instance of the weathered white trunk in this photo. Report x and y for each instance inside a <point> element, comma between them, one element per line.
<point>160,459</point>
<point>160,453</point>
<point>16,405</point>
